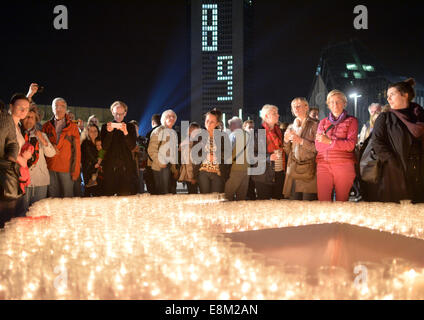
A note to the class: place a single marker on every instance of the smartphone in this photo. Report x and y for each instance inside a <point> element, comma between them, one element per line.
<point>116,125</point>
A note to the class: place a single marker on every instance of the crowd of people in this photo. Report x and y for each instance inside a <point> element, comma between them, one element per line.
<point>309,159</point>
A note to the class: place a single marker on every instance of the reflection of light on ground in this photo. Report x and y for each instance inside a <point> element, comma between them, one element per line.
<point>170,247</point>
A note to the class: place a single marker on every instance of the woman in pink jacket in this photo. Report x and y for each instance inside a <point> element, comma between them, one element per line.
<point>335,143</point>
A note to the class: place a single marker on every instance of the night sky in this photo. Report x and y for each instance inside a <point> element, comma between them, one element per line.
<point>138,51</point>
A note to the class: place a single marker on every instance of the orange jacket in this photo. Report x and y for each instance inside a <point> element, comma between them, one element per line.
<point>68,158</point>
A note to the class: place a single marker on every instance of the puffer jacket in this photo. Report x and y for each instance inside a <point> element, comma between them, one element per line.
<point>344,137</point>
<point>68,159</point>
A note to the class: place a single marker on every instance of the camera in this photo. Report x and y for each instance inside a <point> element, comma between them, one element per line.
<point>40,89</point>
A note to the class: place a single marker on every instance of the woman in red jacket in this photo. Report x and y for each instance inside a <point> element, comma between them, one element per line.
<point>335,142</point>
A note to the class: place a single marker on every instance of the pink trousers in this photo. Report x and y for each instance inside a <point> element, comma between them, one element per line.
<point>335,175</point>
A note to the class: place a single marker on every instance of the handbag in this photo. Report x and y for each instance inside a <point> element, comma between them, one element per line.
<point>9,180</point>
<point>370,166</point>
<point>301,170</point>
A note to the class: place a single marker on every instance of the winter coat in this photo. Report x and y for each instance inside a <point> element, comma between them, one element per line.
<point>9,146</point>
<point>344,137</point>
<point>68,159</point>
<point>157,140</point>
<point>303,152</point>
<point>118,148</point>
<point>402,158</point>
<point>89,156</point>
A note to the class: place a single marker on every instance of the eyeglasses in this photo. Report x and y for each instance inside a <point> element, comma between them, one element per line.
<point>119,114</point>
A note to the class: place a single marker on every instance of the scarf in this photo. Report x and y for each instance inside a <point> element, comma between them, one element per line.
<point>335,121</point>
<point>34,141</point>
<point>274,138</point>
<point>413,118</point>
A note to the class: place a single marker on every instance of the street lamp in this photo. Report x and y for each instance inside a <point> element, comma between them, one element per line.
<point>355,96</point>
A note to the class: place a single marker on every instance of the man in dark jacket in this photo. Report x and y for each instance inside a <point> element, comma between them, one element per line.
<point>118,140</point>
<point>9,149</point>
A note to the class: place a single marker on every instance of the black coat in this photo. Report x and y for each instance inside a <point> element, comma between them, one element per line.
<point>402,158</point>
<point>119,167</point>
<point>89,155</point>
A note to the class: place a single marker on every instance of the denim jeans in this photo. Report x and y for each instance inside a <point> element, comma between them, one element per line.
<point>78,187</point>
<point>34,194</point>
<point>210,182</point>
<point>61,185</point>
<point>162,180</point>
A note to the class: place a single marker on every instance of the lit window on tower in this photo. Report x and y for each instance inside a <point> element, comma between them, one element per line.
<point>368,68</point>
<point>357,75</point>
<point>210,27</point>
<point>225,77</point>
<point>351,66</point>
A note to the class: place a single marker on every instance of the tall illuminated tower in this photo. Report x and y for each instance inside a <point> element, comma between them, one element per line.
<point>221,51</point>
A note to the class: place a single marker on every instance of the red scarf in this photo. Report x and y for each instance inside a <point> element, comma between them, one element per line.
<point>274,138</point>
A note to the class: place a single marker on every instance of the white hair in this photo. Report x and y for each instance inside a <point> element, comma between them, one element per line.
<point>375,104</point>
<point>235,120</point>
<point>55,100</point>
<point>266,109</point>
<point>165,114</point>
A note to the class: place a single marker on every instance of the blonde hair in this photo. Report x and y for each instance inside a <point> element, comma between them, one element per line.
<point>265,109</point>
<point>301,99</point>
<point>118,103</point>
<point>165,114</point>
<point>335,93</point>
